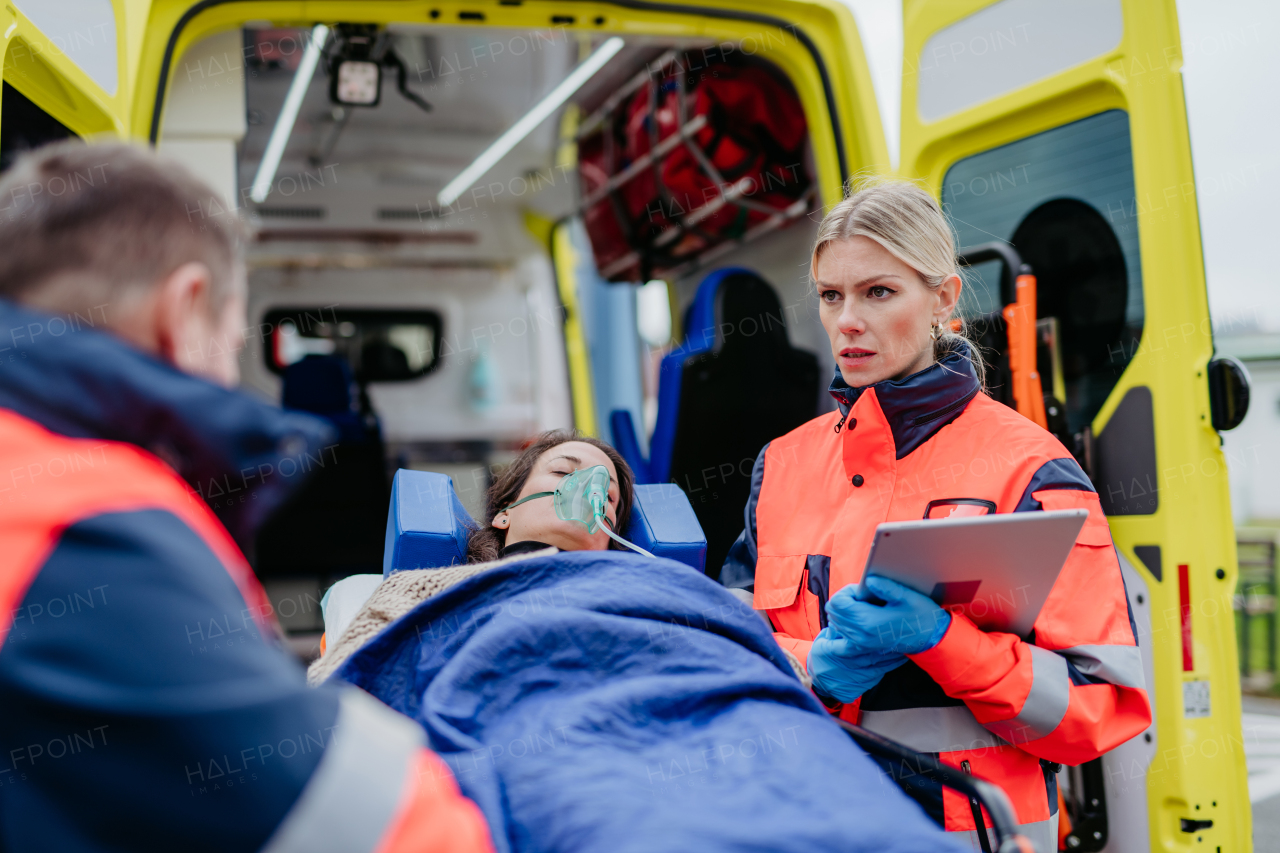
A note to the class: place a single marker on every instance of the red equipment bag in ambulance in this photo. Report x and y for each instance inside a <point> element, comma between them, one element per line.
<point>689,159</point>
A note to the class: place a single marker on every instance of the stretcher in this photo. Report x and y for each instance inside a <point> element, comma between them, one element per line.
<point>985,798</point>
<point>427,527</point>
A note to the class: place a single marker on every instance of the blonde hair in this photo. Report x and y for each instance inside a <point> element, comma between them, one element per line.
<point>906,220</point>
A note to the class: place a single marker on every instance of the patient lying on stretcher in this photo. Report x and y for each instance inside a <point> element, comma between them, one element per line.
<point>518,520</point>
<point>590,698</point>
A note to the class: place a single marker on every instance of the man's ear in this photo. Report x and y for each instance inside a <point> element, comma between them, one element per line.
<point>182,322</point>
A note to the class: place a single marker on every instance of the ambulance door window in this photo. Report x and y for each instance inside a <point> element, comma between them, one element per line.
<point>379,345</point>
<point>25,126</point>
<point>1065,200</point>
<point>1082,284</point>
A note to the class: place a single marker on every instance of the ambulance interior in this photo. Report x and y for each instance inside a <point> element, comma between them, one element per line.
<point>443,322</point>
<point>450,317</point>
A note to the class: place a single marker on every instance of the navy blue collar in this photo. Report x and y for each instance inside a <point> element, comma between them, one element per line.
<point>77,381</point>
<point>921,404</point>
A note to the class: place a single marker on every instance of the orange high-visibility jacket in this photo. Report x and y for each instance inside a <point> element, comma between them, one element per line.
<point>142,679</point>
<point>1071,691</point>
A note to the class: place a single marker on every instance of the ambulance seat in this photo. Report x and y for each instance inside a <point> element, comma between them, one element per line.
<point>427,526</point>
<point>333,525</point>
<point>322,385</point>
<point>730,388</point>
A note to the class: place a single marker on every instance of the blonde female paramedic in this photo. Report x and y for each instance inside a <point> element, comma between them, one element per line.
<point>915,437</point>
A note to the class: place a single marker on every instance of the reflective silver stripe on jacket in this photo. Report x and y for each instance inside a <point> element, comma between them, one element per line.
<point>1046,703</point>
<point>354,792</point>
<point>948,729</point>
<point>1118,665</point>
<point>1042,833</point>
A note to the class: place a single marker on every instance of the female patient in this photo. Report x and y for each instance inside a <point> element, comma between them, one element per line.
<point>520,517</point>
<point>515,522</point>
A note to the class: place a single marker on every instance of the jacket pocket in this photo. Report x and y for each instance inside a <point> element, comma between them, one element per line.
<point>777,580</point>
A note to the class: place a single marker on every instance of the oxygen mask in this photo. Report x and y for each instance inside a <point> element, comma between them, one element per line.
<point>582,496</point>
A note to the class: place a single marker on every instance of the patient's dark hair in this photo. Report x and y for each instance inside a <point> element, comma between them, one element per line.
<point>486,543</point>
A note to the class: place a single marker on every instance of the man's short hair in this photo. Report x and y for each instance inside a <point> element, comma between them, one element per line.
<point>84,226</point>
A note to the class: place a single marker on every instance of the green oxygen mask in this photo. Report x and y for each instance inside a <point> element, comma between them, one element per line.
<point>582,497</point>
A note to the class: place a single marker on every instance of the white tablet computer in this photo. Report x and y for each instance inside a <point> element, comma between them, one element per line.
<point>997,569</point>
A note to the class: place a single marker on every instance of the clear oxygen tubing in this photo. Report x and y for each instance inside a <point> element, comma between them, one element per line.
<point>616,538</point>
<point>581,497</point>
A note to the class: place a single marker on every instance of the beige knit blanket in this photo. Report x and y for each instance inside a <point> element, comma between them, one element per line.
<point>394,597</point>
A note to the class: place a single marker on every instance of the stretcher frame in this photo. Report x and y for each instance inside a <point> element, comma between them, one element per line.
<point>981,793</point>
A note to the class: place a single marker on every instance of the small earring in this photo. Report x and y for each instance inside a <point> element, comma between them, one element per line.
<point>935,331</point>
<point>501,521</point>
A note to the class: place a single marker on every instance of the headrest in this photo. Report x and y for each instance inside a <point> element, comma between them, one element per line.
<point>733,305</point>
<point>319,384</point>
<point>750,313</point>
<point>712,318</point>
<point>427,526</point>
<point>700,317</point>
<point>381,359</point>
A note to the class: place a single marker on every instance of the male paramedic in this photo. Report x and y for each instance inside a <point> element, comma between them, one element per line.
<point>148,703</point>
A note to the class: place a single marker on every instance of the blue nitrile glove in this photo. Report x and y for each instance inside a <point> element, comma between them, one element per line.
<point>843,672</point>
<point>907,622</point>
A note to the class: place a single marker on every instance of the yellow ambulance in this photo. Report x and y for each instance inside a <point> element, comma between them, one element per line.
<point>418,178</point>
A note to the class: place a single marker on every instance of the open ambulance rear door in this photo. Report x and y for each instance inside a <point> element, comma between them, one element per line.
<point>62,75</point>
<point>1060,129</point>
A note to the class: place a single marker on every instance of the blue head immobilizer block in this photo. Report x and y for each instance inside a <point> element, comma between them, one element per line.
<point>427,526</point>
<point>663,523</point>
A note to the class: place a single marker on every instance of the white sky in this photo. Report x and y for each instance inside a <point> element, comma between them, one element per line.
<point>1232,85</point>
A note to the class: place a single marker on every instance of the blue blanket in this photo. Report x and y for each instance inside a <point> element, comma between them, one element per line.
<point>598,701</point>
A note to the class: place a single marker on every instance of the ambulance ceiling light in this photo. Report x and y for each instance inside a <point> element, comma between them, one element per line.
<point>288,115</point>
<point>536,116</point>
